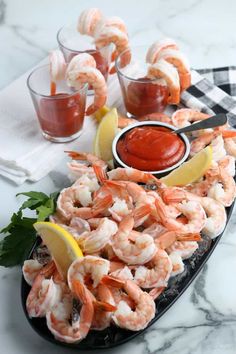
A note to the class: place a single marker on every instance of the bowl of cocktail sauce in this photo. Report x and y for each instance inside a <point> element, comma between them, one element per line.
<point>151,146</point>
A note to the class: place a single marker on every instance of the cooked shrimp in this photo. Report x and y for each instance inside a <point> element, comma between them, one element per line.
<point>108,35</point>
<point>89,20</point>
<point>156,48</point>
<point>215,212</point>
<point>122,273</point>
<point>30,270</point>
<point>155,229</point>
<point>179,61</point>
<point>185,249</point>
<point>88,269</point>
<point>96,240</point>
<point>140,251</point>
<point>155,273</point>
<point>93,77</point>
<point>125,121</point>
<point>67,205</point>
<point>59,317</point>
<point>78,170</point>
<point>228,164</point>
<point>192,210</point>
<point>103,308</point>
<point>112,21</point>
<point>177,264</point>
<point>44,293</point>
<point>163,69</point>
<point>159,117</point>
<point>169,237</point>
<point>224,190</point>
<point>144,310</point>
<point>131,174</point>
<point>185,116</point>
<point>90,158</point>
<point>57,65</point>
<point>230,146</point>
<point>205,139</point>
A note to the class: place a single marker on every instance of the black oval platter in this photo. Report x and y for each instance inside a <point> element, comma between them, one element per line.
<point>114,336</point>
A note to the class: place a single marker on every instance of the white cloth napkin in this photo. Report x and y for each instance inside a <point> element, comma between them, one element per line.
<point>24,153</point>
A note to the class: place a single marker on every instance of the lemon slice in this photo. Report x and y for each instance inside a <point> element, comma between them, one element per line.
<point>61,244</point>
<point>100,113</point>
<point>191,170</point>
<point>106,132</point>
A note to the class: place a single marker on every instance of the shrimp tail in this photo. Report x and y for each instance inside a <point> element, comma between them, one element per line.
<point>228,134</point>
<point>75,155</point>
<point>102,203</point>
<point>100,173</point>
<point>112,281</point>
<point>104,306</point>
<point>156,292</point>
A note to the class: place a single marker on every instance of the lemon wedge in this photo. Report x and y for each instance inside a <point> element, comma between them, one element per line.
<point>106,132</point>
<point>61,244</point>
<point>191,170</point>
<point>100,113</point>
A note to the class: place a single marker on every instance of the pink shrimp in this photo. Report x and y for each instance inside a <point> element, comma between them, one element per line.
<point>78,75</point>
<point>108,35</point>
<point>156,116</point>
<point>89,20</point>
<point>185,116</point>
<point>156,48</point>
<point>144,306</point>
<point>138,252</point>
<point>57,68</point>
<point>44,292</point>
<point>156,273</point>
<point>165,70</point>
<point>59,317</point>
<point>178,60</point>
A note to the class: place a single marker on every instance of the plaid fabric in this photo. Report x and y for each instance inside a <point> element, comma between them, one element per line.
<point>213,91</point>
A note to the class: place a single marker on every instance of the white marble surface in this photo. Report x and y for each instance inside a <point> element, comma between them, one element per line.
<point>203,321</point>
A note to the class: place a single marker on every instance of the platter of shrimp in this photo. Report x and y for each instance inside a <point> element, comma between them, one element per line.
<point>143,243</point>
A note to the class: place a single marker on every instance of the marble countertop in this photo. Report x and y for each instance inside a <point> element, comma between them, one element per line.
<point>203,321</point>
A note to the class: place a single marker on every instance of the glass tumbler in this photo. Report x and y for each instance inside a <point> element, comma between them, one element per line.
<point>71,43</point>
<point>141,95</point>
<point>61,116</point>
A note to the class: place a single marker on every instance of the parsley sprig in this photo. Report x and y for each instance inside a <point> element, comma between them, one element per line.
<point>21,235</point>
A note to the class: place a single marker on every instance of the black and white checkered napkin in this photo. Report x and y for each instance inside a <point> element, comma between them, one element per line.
<point>213,91</point>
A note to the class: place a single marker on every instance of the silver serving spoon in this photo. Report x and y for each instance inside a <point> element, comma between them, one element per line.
<point>215,121</point>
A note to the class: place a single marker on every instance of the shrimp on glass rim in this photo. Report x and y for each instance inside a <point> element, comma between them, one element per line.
<point>80,72</point>
<point>179,61</point>
<point>108,35</point>
<point>89,20</point>
<point>57,65</point>
<point>163,69</point>
<point>156,48</point>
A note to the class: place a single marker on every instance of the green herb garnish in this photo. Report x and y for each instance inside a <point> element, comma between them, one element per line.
<point>21,235</point>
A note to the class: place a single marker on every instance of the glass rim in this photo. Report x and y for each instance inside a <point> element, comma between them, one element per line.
<point>119,72</point>
<point>83,88</point>
<point>74,50</point>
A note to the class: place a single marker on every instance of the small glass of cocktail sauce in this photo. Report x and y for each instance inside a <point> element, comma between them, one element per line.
<point>141,95</point>
<point>61,116</point>
<point>151,147</point>
<point>71,43</point>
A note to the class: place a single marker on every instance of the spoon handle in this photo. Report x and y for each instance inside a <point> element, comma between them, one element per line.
<point>215,121</point>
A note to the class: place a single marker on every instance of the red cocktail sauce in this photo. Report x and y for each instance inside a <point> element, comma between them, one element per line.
<point>150,148</point>
<point>62,115</point>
